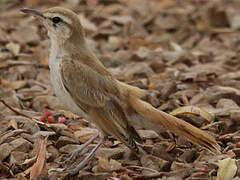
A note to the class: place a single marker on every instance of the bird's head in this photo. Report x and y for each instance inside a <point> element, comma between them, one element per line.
<point>62,24</point>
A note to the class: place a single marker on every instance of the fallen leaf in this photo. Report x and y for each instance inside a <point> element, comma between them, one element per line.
<point>40,166</point>
<point>92,2</point>
<point>227,169</point>
<point>7,135</point>
<point>87,24</point>
<point>29,161</point>
<point>18,144</point>
<point>44,61</point>
<point>164,4</point>
<point>14,48</point>
<point>13,124</point>
<point>193,110</point>
<point>105,165</point>
<point>13,84</point>
<point>85,134</point>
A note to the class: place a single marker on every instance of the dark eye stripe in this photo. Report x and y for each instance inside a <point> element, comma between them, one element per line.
<point>56,20</point>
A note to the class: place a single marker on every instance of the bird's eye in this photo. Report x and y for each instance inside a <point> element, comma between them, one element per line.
<point>56,20</point>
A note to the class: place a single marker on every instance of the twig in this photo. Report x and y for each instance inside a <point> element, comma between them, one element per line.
<point>210,125</point>
<point>19,113</point>
<point>11,63</point>
<point>39,84</point>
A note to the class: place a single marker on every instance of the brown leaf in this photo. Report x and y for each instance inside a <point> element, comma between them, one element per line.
<point>20,144</point>
<point>85,133</point>
<point>92,2</point>
<point>164,4</point>
<point>40,166</point>
<point>227,169</point>
<point>87,24</point>
<point>193,110</point>
<point>105,165</point>
<point>14,48</point>
<point>13,84</point>
<point>10,134</point>
<point>13,124</point>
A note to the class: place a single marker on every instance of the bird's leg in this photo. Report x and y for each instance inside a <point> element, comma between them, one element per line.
<point>78,150</point>
<point>86,159</point>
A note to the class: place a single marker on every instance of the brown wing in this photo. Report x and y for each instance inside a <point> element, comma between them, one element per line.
<point>98,94</point>
<point>86,85</point>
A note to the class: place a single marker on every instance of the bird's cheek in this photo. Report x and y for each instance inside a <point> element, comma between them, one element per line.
<point>66,32</point>
<point>47,24</point>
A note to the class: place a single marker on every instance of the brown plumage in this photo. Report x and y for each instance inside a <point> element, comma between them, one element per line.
<point>97,94</point>
<point>88,89</point>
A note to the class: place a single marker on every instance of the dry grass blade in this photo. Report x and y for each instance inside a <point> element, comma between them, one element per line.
<point>19,113</point>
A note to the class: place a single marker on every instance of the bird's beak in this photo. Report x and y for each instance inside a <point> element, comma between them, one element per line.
<point>33,12</point>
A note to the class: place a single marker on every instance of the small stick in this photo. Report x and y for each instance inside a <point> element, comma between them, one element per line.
<point>19,113</point>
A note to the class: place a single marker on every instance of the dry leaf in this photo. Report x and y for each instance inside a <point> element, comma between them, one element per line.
<point>105,165</point>
<point>40,165</point>
<point>44,61</point>
<point>13,84</point>
<point>85,134</point>
<point>193,110</point>
<point>13,124</point>
<point>163,4</point>
<point>14,48</point>
<point>29,161</point>
<point>10,134</point>
<point>88,25</point>
<point>92,2</point>
<point>21,177</point>
<point>227,169</point>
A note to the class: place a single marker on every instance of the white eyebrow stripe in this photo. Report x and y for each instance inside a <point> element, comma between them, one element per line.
<point>64,18</point>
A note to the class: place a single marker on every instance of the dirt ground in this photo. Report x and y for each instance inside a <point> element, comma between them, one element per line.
<point>187,51</point>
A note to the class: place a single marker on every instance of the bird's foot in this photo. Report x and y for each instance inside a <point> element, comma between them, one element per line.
<point>81,165</point>
<point>77,152</point>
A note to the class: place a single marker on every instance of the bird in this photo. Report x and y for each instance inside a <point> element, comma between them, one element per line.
<point>88,89</point>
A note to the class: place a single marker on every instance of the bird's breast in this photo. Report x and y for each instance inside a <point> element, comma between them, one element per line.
<point>58,87</point>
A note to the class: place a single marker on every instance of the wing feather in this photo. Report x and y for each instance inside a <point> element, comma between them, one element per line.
<point>86,85</point>
<point>98,94</point>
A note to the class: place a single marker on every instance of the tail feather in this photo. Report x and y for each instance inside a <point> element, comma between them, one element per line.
<point>174,124</point>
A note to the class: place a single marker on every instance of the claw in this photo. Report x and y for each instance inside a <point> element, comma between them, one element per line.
<point>81,165</point>
<point>75,154</point>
